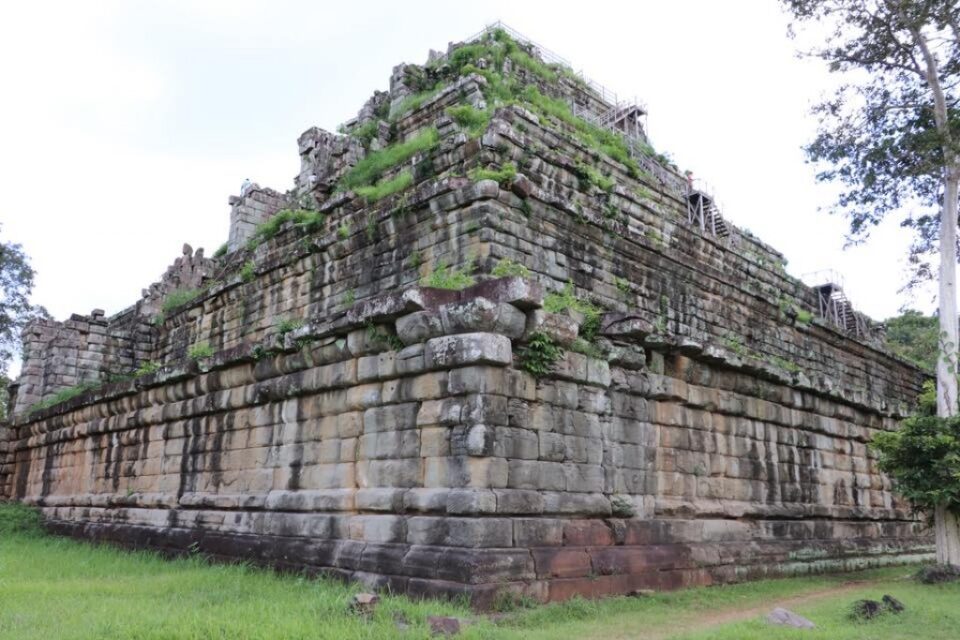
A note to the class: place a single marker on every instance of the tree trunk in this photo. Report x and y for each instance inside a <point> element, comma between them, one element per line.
<point>947,527</point>
<point>946,523</point>
<point>947,361</point>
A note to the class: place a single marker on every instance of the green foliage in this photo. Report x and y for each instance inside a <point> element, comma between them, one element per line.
<point>178,298</point>
<point>733,343</point>
<point>287,325</point>
<point>474,120</point>
<point>16,285</point>
<point>562,301</point>
<point>927,400</point>
<point>412,103</point>
<point>879,137</point>
<point>221,250</point>
<point>350,297</point>
<point>507,267</point>
<point>622,285</point>
<point>146,368</point>
<point>374,165</point>
<point>19,519</point>
<point>366,132</point>
<point>592,136</point>
<point>540,355</point>
<point>803,316</point>
<point>923,458</point>
<point>501,176</point>
<point>343,231</point>
<point>308,221</point>
<point>534,66</point>
<point>200,351</point>
<point>386,187</point>
<point>248,271</point>
<point>379,335</point>
<point>415,259</point>
<point>915,337</point>
<point>654,236</point>
<point>783,363</point>
<point>643,193</point>
<point>590,176</point>
<point>63,395</point>
<point>443,277</point>
<point>587,348</point>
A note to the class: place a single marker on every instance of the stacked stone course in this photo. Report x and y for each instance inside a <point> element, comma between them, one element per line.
<point>355,422</point>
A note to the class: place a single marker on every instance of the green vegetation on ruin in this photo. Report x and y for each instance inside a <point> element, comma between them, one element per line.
<point>178,298</point>
<point>507,267</point>
<point>540,355</point>
<point>54,587</point>
<point>386,187</point>
<point>199,351</point>
<point>473,120</point>
<point>566,300</point>
<point>372,167</point>
<point>146,368</point>
<point>309,221</point>
<point>501,176</point>
<point>63,395</point>
<point>445,277</point>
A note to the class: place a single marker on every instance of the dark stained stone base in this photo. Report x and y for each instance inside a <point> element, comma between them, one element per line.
<point>594,564</point>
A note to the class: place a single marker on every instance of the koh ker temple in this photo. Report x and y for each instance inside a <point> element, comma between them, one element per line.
<point>491,342</point>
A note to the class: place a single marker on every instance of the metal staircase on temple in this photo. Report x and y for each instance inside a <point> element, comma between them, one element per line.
<point>835,306</point>
<point>702,211</point>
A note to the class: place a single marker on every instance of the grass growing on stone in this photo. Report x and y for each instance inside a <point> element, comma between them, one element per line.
<point>386,187</point>
<point>501,176</point>
<point>57,588</point>
<point>374,165</point>
<point>179,298</point>
<point>62,396</point>
<point>445,277</point>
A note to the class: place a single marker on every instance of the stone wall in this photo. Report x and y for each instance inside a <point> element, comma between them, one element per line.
<point>354,421</point>
<point>88,350</point>
<point>250,209</point>
<point>433,463</point>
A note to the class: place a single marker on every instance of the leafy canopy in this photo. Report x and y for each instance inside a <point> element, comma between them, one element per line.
<point>878,137</point>
<point>16,284</point>
<point>923,458</point>
<point>914,337</point>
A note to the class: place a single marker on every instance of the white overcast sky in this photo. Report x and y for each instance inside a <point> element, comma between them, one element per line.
<point>124,126</point>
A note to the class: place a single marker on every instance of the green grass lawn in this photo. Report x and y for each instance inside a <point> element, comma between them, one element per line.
<point>56,588</point>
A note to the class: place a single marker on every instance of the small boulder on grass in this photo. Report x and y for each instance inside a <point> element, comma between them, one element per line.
<point>787,618</point>
<point>445,626</point>
<point>363,604</point>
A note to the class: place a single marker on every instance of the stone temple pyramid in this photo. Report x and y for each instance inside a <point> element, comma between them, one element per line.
<point>490,344</point>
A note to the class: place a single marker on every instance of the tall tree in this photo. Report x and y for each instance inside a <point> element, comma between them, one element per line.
<point>890,137</point>
<point>914,337</point>
<point>16,284</point>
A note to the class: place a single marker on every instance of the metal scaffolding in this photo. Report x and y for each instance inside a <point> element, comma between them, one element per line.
<point>703,211</point>
<point>834,305</point>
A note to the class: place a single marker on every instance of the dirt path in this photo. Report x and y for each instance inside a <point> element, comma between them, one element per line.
<point>709,619</point>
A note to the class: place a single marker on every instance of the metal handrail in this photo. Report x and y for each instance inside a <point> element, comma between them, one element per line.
<point>606,95</point>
